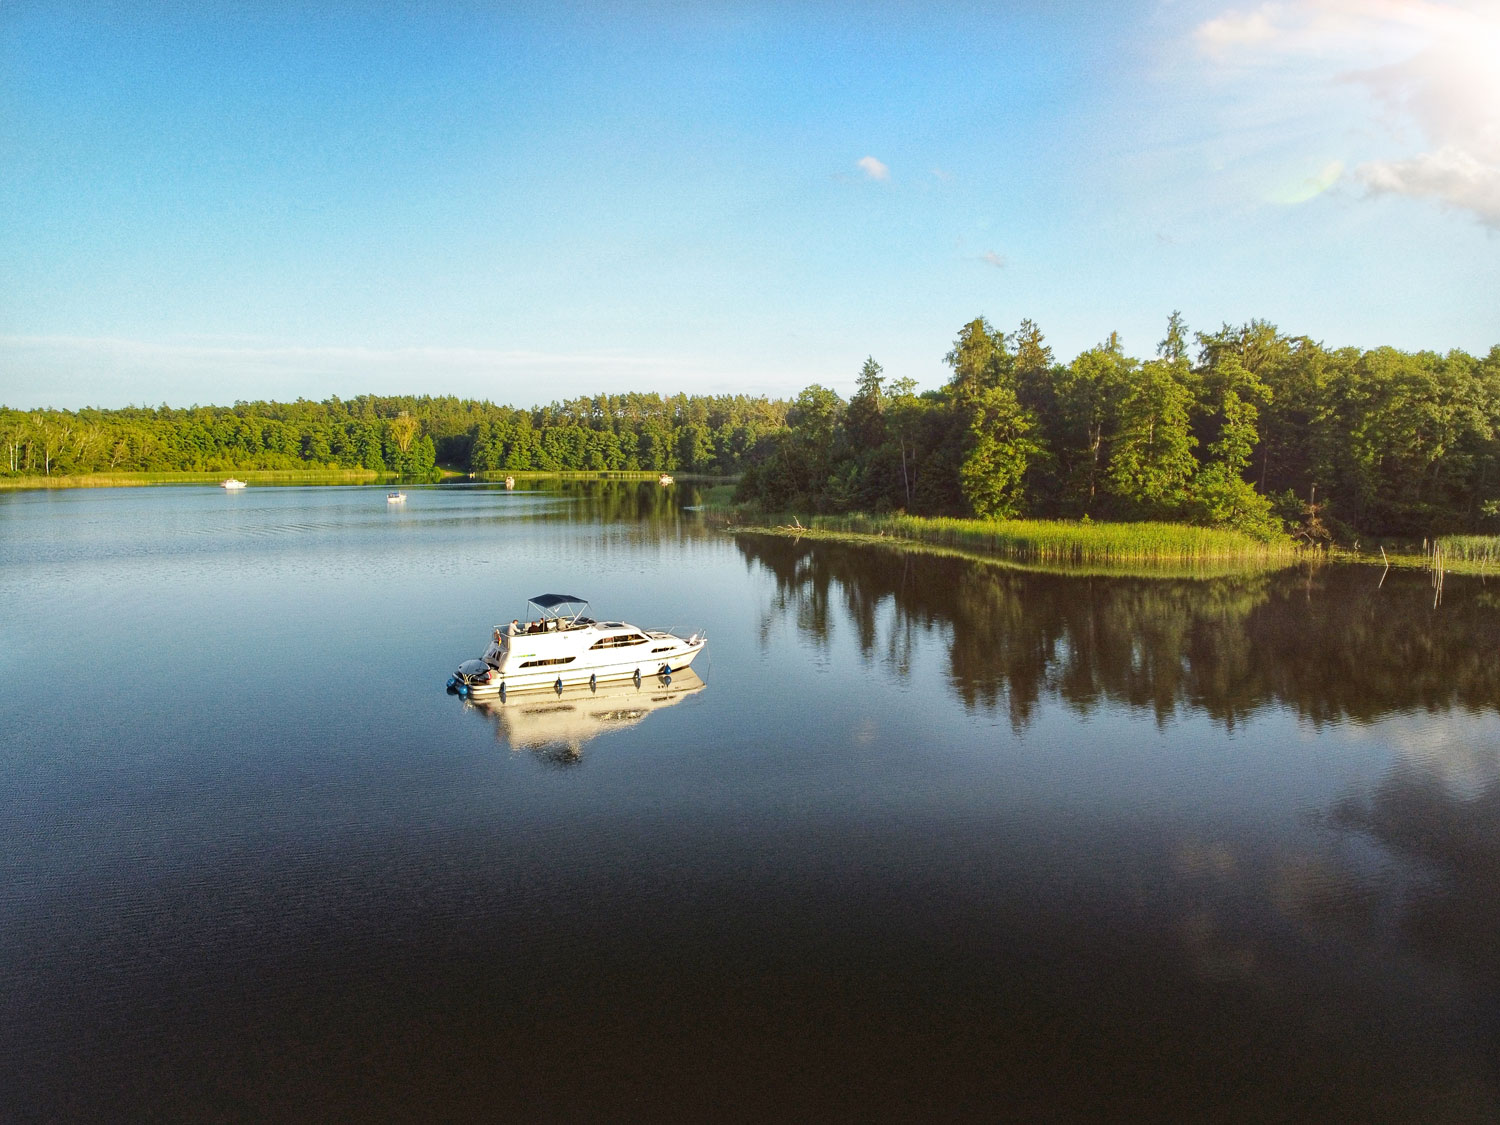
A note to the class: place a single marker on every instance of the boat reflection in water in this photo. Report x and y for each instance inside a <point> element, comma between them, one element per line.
<point>555,725</point>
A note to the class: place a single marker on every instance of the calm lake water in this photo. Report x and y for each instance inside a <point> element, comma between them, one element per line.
<point>923,837</point>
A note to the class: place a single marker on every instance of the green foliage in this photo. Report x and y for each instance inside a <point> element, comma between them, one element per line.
<point>1151,455</point>
<point>1385,441</point>
<point>405,435</point>
<point>1000,449</point>
<point>1391,443</point>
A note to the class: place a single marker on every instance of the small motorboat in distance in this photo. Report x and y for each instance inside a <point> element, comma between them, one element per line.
<point>510,483</point>
<point>664,480</point>
<point>395,498</point>
<point>558,646</point>
<point>232,484</point>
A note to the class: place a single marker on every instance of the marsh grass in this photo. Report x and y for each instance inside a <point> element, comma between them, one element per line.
<point>1483,549</point>
<point>1066,543</point>
<point>1107,568</point>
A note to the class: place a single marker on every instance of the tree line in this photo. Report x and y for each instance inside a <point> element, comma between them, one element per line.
<point>406,435</point>
<point>1246,427</point>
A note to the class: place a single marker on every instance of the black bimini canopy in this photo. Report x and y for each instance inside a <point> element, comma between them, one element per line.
<point>547,605</point>
<point>552,601</point>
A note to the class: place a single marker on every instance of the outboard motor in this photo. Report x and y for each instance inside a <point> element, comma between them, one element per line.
<point>472,672</point>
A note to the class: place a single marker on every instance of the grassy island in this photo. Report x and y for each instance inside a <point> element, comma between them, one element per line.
<point>1058,541</point>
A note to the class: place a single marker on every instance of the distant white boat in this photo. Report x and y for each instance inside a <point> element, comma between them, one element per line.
<point>231,483</point>
<point>395,498</point>
<point>664,480</point>
<point>510,482</point>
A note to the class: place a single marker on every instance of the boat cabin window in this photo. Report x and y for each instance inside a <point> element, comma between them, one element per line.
<point>552,660</point>
<point>622,640</point>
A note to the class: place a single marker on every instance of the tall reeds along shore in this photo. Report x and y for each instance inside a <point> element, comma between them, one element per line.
<point>1484,549</point>
<point>1057,541</point>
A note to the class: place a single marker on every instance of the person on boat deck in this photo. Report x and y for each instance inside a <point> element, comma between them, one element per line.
<point>514,628</point>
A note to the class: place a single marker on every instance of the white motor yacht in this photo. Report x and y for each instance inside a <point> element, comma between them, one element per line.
<point>232,484</point>
<point>558,646</point>
<point>395,498</point>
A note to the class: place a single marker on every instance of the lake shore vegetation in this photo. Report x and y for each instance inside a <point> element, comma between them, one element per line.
<point>251,476</point>
<point>410,437</point>
<point>1244,429</point>
<point>1046,541</point>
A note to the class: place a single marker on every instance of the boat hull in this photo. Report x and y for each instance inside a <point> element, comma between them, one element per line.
<point>574,675</point>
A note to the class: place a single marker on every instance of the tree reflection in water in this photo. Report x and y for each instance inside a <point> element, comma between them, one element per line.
<point>1327,641</point>
<point>1331,645</point>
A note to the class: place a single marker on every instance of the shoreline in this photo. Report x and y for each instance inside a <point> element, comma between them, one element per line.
<point>1059,556</point>
<point>320,476</point>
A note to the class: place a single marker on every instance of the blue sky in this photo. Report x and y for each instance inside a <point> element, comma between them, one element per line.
<point>205,202</point>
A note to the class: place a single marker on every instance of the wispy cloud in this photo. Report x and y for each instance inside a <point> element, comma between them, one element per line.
<point>1430,65</point>
<point>74,371</point>
<point>873,168</point>
<point>993,258</point>
<point>1325,28</point>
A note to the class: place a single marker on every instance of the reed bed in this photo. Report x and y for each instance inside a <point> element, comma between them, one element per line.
<point>1484,549</point>
<point>1057,541</point>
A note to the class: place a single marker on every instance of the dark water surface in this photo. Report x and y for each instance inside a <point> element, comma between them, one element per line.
<point>924,838</point>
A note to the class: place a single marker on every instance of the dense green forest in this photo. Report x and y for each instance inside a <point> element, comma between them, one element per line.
<point>404,435</point>
<point>1244,427</point>
<point>1259,431</point>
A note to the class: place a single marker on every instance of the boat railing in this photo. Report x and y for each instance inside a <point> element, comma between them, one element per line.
<point>677,631</point>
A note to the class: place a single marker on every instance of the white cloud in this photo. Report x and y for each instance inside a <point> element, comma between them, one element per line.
<point>1334,29</point>
<point>873,168</point>
<point>1431,66</point>
<point>1450,175</point>
<point>1235,29</point>
<point>994,259</point>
